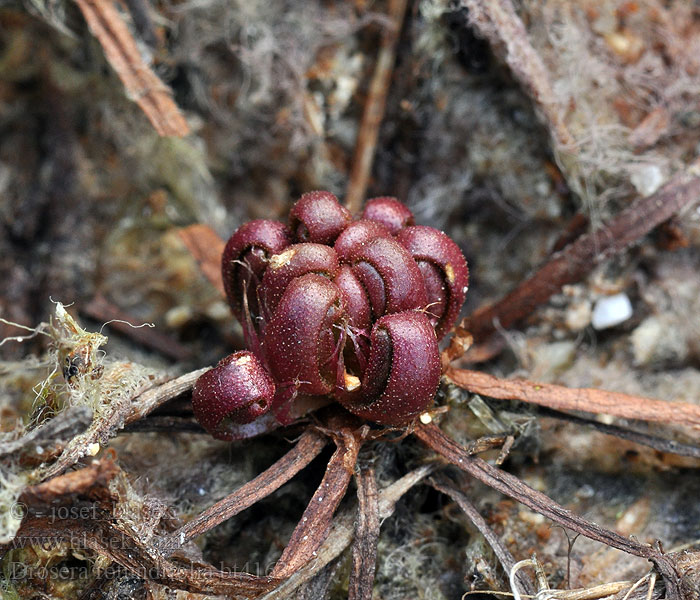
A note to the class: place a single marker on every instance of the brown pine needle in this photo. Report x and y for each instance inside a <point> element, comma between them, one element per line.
<point>307,448</point>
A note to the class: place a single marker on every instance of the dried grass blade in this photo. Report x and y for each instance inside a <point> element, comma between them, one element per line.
<point>444,485</point>
<point>507,484</point>
<point>207,247</point>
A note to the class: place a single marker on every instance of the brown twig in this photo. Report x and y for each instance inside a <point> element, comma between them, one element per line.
<point>165,424</point>
<point>141,83</point>
<point>364,547</point>
<point>307,448</point>
<point>580,399</point>
<point>444,485</point>
<point>149,400</point>
<point>498,22</point>
<point>316,521</point>
<point>374,109</point>
<point>576,260</point>
<point>96,475</point>
<point>207,247</point>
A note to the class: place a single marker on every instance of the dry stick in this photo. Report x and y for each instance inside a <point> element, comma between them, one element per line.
<point>342,531</point>
<point>597,592</point>
<point>146,402</point>
<point>119,414</point>
<point>576,260</point>
<point>98,474</point>
<point>374,109</point>
<point>444,485</point>
<point>497,21</point>
<point>316,521</point>
<point>141,83</point>
<point>307,448</point>
<point>507,484</point>
<point>580,399</point>
<point>638,437</point>
<point>364,547</point>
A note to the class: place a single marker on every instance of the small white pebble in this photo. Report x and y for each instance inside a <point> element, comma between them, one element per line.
<point>39,450</point>
<point>425,418</point>
<point>201,491</point>
<point>93,449</point>
<point>647,179</point>
<point>610,311</point>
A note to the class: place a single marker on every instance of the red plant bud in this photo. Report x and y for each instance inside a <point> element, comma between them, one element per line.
<point>245,259</point>
<point>403,372</point>
<point>318,217</point>
<point>304,339</point>
<point>238,390</point>
<point>359,321</point>
<point>444,270</point>
<point>391,213</point>
<point>356,235</point>
<point>293,262</point>
<point>391,277</point>
<point>355,296</point>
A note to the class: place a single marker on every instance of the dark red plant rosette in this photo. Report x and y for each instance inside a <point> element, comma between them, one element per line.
<point>351,310</point>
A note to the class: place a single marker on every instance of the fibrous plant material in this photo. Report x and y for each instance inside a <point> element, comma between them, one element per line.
<point>499,23</point>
